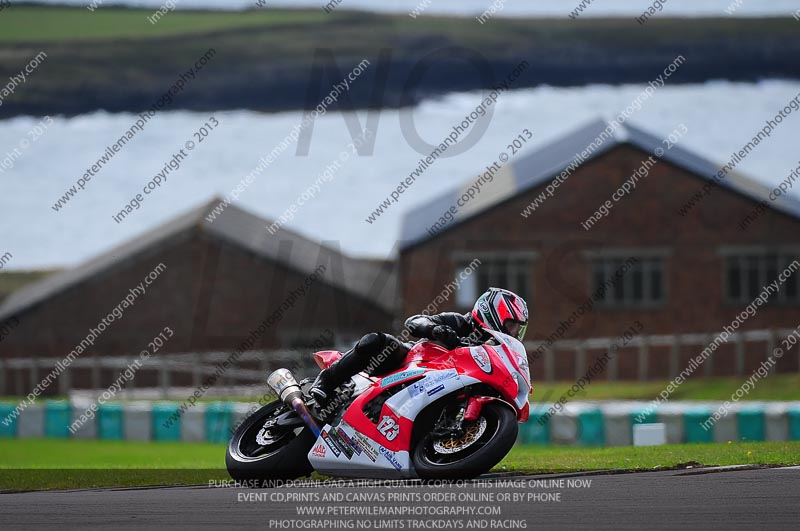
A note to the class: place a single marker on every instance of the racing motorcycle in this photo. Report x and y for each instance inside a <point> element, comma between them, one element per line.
<point>444,414</point>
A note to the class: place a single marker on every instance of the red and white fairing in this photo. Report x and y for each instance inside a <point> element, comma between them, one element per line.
<point>358,447</point>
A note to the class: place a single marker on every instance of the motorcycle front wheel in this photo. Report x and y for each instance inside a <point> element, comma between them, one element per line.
<point>272,443</point>
<point>479,446</point>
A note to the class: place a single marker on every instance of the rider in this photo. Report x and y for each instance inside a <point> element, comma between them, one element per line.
<point>378,353</point>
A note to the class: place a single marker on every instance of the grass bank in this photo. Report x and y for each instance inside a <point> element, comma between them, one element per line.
<point>34,464</point>
<point>113,59</point>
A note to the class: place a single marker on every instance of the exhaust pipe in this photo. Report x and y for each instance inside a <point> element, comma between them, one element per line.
<point>288,390</point>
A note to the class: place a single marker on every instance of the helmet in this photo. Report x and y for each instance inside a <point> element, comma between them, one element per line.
<point>502,311</point>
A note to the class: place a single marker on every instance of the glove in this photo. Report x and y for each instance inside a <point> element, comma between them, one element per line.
<point>446,335</point>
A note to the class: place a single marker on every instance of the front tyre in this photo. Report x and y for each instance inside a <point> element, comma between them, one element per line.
<point>272,443</point>
<point>472,451</point>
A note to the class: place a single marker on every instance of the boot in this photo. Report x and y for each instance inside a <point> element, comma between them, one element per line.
<point>324,387</point>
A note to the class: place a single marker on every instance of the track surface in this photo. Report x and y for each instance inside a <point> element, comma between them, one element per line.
<point>724,500</point>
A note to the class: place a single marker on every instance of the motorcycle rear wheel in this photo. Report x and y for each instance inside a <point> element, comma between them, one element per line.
<point>256,453</point>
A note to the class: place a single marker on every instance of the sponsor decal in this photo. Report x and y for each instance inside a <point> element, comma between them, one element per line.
<point>436,389</point>
<point>389,455</point>
<point>332,445</point>
<point>400,376</point>
<point>343,446</point>
<point>482,359</point>
<point>416,388</point>
<point>366,445</point>
<point>349,441</point>
<point>431,380</point>
<point>442,376</point>
<point>319,451</point>
<point>261,437</point>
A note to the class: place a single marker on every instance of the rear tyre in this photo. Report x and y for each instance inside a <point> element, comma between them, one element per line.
<point>260,449</point>
<point>482,444</point>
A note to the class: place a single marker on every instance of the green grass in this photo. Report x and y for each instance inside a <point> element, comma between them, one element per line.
<point>784,387</point>
<point>33,464</point>
<point>774,387</point>
<point>70,453</point>
<point>569,459</point>
<point>58,464</point>
<point>43,23</point>
<point>115,60</point>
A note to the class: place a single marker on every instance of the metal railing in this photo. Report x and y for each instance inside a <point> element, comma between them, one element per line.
<point>641,345</point>
<point>19,375</point>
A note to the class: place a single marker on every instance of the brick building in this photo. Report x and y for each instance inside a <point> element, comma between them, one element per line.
<point>218,283</point>
<point>689,272</point>
<point>683,272</point>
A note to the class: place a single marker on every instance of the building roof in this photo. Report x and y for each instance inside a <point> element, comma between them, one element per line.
<point>368,279</point>
<point>542,165</point>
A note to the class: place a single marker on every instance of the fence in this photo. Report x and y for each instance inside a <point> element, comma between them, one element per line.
<point>163,372</point>
<point>563,360</point>
<point>642,362</point>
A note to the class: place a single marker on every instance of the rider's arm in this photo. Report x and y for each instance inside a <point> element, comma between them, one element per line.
<point>422,325</point>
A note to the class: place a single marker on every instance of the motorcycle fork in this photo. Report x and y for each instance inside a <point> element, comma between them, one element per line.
<point>445,427</point>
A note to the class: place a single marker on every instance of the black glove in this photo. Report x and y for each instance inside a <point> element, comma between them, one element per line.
<point>446,335</point>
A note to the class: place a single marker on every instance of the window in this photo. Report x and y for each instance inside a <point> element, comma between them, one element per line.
<point>628,282</point>
<point>747,274</point>
<point>510,271</point>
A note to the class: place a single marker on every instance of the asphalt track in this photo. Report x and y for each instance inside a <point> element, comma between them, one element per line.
<point>687,499</point>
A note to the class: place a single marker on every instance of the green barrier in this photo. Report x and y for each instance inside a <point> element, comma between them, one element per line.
<point>794,424</point>
<point>57,418</point>
<point>591,428</point>
<point>10,429</point>
<point>219,421</point>
<point>644,417</point>
<point>532,432</point>
<point>751,424</point>
<point>166,427</point>
<point>693,426</point>
<point>110,422</point>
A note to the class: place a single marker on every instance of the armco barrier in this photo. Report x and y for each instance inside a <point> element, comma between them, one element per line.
<point>137,422</point>
<point>30,423</point>
<point>643,416</point>
<point>794,422</point>
<point>83,430</point>
<point>618,430</point>
<point>165,426</point>
<point>776,427</point>
<point>579,423</point>
<point>751,424</point>
<point>726,429</point>
<point>591,430</point>
<point>218,422</point>
<point>8,428</point>
<point>110,422</point>
<point>57,418</point>
<point>193,424</point>
<point>693,426</point>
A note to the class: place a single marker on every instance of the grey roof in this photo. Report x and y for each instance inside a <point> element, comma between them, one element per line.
<point>542,165</point>
<point>369,279</point>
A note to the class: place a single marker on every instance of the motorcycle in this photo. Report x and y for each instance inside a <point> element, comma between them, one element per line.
<point>445,414</point>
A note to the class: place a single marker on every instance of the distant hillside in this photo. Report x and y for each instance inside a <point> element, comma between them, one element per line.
<point>115,60</point>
